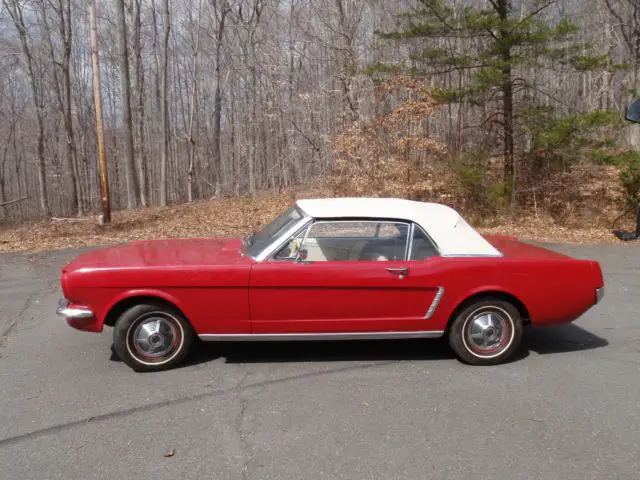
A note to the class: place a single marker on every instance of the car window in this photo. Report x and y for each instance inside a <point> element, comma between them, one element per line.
<point>270,233</point>
<point>421,245</point>
<point>355,241</point>
<point>291,248</point>
<point>349,229</point>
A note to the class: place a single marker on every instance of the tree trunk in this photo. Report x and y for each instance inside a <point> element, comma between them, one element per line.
<point>253,139</point>
<point>348,62</point>
<point>217,114</point>
<point>66,33</point>
<point>164,155</point>
<point>97,96</point>
<point>235,169</point>
<point>138,73</point>
<point>192,109</point>
<point>3,161</point>
<point>217,102</point>
<point>504,8</point>
<point>125,95</point>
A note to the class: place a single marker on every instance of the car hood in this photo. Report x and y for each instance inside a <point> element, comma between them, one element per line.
<point>159,253</point>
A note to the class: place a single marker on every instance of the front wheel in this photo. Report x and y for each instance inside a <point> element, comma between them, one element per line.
<point>486,332</point>
<point>152,337</point>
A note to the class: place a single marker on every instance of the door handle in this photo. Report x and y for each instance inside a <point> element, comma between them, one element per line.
<point>401,272</point>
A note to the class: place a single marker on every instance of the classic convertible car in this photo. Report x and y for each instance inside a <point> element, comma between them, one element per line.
<point>341,268</point>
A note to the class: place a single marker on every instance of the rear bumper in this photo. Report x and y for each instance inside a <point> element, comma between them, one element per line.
<point>79,317</point>
<point>599,294</point>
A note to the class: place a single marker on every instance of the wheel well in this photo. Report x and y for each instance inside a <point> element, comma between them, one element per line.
<point>125,304</point>
<point>507,297</point>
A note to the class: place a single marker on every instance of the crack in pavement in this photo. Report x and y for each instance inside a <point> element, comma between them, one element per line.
<point>243,433</point>
<point>182,400</point>
<point>45,288</point>
<point>6,331</point>
<point>247,451</point>
<point>244,443</point>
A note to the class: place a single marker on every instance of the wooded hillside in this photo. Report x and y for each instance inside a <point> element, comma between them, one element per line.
<point>483,104</point>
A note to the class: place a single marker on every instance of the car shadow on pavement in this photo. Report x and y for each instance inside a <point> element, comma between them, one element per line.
<point>548,340</point>
<point>561,339</point>
<point>543,341</point>
<point>322,351</point>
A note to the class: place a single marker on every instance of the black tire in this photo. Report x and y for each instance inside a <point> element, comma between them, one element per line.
<point>500,334</point>
<point>168,336</point>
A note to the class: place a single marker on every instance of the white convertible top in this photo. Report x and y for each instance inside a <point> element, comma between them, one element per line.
<point>451,233</point>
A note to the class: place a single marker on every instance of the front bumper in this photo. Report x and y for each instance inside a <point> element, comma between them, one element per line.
<point>599,294</point>
<point>77,316</point>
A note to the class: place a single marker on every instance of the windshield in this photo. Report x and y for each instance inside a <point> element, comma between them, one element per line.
<point>257,242</point>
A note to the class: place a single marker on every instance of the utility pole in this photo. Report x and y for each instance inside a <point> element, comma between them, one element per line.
<point>97,98</point>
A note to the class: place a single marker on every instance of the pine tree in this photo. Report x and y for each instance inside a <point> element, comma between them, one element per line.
<point>487,46</point>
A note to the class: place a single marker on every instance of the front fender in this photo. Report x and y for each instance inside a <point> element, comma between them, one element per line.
<point>142,292</point>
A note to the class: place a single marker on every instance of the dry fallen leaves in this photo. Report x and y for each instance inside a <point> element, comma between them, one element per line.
<point>228,217</point>
<point>233,217</point>
<point>549,232</point>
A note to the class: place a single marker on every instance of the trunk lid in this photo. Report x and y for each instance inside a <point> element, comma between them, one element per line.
<point>511,247</point>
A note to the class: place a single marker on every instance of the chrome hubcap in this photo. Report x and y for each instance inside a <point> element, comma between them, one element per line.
<point>487,331</point>
<point>155,337</point>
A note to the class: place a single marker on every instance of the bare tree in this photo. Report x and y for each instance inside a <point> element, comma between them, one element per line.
<point>221,9</point>
<point>125,95</point>
<point>15,10</point>
<point>62,10</point>
<point>97,95</point>
<point>139,110</point>
<point>192,106</point>
<point>165,104</point>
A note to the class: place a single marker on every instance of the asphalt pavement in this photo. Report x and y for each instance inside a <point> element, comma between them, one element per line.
<point>568,407</point>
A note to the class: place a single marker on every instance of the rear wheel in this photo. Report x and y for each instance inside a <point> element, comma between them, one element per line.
<point>486,332</point>
<point>152,337</point>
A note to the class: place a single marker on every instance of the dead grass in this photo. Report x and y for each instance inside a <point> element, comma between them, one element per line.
<point>231,217</point>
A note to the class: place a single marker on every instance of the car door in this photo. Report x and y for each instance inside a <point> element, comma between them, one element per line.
<point>346,276</point>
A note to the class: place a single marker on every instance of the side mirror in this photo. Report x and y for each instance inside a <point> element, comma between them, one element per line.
<point>633,111</point>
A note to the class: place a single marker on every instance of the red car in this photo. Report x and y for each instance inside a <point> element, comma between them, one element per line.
<point>342,268</point>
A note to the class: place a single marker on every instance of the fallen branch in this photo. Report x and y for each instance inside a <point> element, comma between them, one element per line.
<point>13,201</point>
<point>65,220</point>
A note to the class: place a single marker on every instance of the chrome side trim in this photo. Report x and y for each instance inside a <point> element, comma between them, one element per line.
<point>599,294</point>
<point>474,255</point>
<point>274,337</point>
<point>435,303</point>
<point>409,246</point>
<point>63,310</point>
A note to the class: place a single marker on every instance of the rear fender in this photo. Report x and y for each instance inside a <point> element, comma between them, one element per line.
<point>486,290</point>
